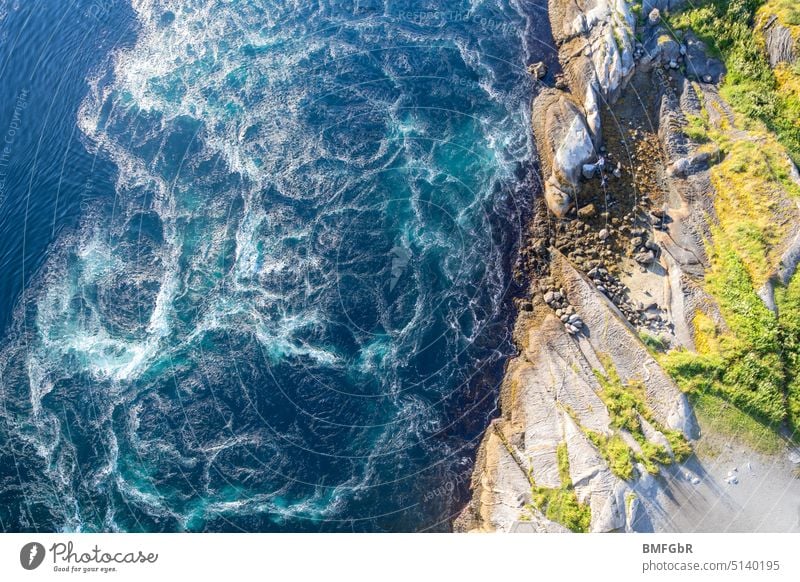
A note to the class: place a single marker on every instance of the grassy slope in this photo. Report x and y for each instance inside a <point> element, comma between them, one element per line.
<point>751,86</point>
<point>755,363</point>
<point>787,11</point>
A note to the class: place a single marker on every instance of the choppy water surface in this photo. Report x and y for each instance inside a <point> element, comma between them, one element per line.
<point>258,259</point>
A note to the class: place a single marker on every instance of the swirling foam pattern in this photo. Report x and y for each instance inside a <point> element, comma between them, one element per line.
<point>292,311</point>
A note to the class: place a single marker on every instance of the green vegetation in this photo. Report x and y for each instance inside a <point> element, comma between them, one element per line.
<point>616,453</point>
<point>654,344</point>
<point>678,443</point>
<point>744,365</point>
<point>753,360</point>
<point>787,11</point>
<point>629,498</point>
<point>788,301</point>
<point>753,363</point>
<point>563,463</point>
<point>697,129</point>
<point>561,505</point>
<point>626,407</point>
<point>751,87</point>
<point>720,417</point>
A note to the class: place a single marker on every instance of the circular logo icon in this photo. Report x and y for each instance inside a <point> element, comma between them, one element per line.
<point>31,555</point>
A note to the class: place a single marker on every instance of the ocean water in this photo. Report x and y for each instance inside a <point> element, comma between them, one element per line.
<point>257,258</point>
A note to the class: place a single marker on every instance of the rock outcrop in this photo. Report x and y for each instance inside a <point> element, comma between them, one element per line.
<point>662,5</point>
<point>781,45</point>
<point>565,145</point>
<point>606,277</point>
<point>595,44</point>
<point>551,397</point>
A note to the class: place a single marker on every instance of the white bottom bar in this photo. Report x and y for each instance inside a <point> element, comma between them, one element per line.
<point>332,557</point>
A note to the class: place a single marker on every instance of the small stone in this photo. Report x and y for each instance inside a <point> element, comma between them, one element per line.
<point>603,234</point>
<point>589,171</point>
<point>680,168</point>
<point>645,258</point>
<point>673,64</point>
<point>654,17</point>
<point>538,70</point>
<point>549,297</point>
<point>587,211</point>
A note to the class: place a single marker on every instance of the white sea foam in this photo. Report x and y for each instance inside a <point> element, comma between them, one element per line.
<point>263,93</point>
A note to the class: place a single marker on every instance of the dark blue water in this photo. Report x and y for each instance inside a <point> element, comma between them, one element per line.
<point>256,258</point>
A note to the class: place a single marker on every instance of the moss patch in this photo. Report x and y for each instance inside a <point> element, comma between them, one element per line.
<point>616,453</point>
<point>561,505</point>
<point>627,406</point>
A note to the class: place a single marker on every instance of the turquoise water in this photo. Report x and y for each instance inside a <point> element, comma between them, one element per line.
<point>259,260</point>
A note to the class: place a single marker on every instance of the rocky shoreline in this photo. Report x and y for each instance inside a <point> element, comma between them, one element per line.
<point>594,435</point>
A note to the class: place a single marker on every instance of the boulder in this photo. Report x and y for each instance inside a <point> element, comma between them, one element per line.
<point>647,257</point>
<point>538,70</point>
<point>565,146</point>
<point>780,44</point>
<point>699,65</point>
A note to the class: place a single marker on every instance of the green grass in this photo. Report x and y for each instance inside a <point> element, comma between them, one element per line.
<point>751,87</point>
<point>561,504</point>
<point>679,445</point>
<point>719,417</point>
<point>788,301</point>
<point>563,464</point>
<point>616,453</point>
<point>697,129</point>
<point>654,344</point>
<point>626,404</point>
<point>755,365</point>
